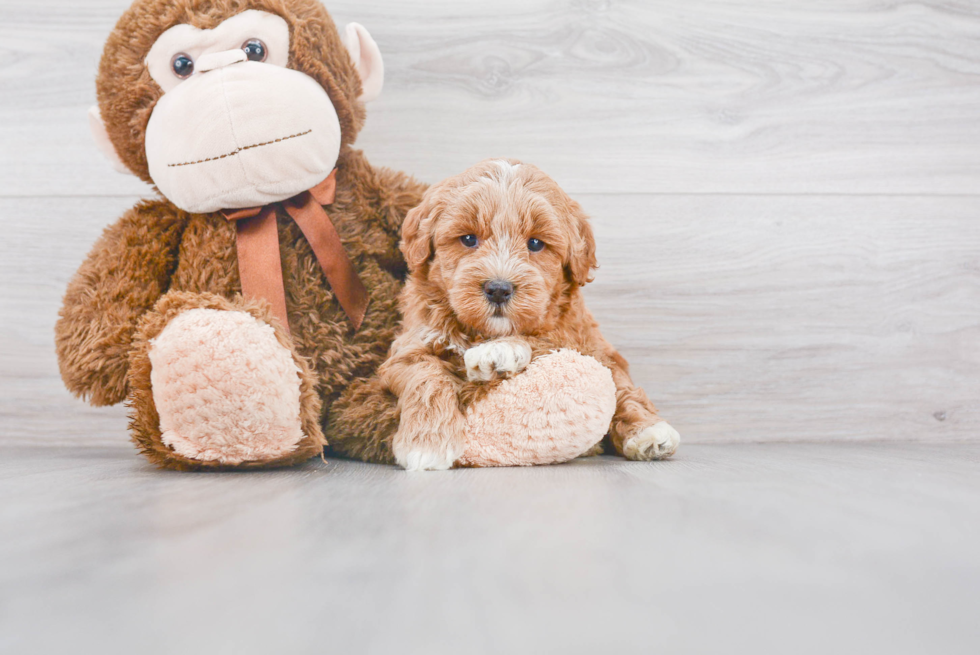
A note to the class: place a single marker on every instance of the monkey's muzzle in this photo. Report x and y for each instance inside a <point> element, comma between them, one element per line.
<point>241,134</point>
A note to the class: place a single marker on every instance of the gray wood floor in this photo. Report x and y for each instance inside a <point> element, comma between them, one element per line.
<point>733,548</point>
<point>786,197</point>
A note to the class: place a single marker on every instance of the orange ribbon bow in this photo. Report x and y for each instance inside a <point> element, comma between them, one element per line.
<point>259,264</point>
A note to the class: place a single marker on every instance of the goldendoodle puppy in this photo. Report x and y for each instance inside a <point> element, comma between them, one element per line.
<point>497,256</point>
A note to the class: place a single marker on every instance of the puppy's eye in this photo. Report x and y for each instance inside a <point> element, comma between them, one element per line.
<point>255,50</point>
<point>182,66</point>
<point>469,240</point>
<point>535,245</point>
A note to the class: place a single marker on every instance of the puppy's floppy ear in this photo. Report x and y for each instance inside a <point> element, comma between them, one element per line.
<point>581,252</point>
<point>416,243</point>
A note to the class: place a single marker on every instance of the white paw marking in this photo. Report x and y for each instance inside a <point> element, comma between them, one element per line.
<point>500,356</point>
<point>657,441</point>
<point>420,459</point>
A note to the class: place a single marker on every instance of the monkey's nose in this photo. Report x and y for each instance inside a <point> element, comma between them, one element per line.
<point>215,60</point>
<point>498,291</point>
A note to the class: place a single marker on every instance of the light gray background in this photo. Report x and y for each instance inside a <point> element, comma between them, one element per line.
<point>786,199</point>
<point>784,193</point>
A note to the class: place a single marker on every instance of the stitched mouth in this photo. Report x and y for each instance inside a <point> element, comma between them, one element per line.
<point>242,149</point>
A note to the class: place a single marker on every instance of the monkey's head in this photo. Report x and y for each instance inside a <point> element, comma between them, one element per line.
<point>232,103</point>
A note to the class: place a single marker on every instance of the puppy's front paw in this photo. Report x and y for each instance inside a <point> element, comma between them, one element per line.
<point>428,444</point>
<point>507,356</point>
<point>657,441</point>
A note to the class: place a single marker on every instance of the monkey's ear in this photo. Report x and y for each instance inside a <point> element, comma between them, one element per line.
<point>102,140</point>
<point>367,57</point>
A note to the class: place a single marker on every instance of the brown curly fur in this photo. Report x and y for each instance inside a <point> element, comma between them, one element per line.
<point>156,251</point>
<point>364,419</point>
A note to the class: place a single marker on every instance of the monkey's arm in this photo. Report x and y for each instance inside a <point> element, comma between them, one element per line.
<point>123,276</point>
<point>399,193</point>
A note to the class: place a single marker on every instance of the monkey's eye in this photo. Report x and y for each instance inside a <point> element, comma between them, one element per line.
<point>255,50</point>
<point>469,240</point>
<point>535,245</point>
<point>182,66</point>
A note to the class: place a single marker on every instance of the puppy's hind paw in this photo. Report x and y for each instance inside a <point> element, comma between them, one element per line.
<point>506,356</point>
<point>658,441</point>
<point>426,460</point>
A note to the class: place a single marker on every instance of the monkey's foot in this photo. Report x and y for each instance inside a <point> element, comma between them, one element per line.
<point>224,388</point>
<point>214,383</point>
<point>557,409</point>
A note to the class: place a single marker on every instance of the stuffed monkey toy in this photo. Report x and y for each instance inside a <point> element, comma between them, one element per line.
<point>253,301</point>
<point>232,311</point>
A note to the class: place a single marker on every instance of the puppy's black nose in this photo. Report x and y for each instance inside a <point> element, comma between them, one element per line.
<point>498,291</point>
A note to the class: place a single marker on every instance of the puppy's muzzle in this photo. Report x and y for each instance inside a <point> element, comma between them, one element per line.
<point>498,292</point>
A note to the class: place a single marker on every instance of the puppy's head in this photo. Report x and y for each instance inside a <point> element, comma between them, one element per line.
<point>499,246</point>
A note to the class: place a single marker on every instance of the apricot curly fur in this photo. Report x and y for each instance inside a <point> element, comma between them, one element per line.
<point>503,203</point>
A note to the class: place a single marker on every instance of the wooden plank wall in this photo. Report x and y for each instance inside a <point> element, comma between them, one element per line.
<point>785,193</point>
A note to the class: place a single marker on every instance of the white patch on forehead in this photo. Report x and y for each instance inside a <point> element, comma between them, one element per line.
<point>504,172</point>
<point>502,175</point>
<point>506,169</point>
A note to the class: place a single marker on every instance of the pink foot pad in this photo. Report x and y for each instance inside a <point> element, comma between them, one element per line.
<point>557,409</point>
<point>225,389</point>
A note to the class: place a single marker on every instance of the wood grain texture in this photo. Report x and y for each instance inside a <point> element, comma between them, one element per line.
<point>796,317</point>
<point>837,96</point>
<point>768,549</point>
<point>746,318</point>
<point>781,311</point>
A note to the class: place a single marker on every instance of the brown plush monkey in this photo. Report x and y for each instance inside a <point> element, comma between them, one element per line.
<point>242,114</point>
